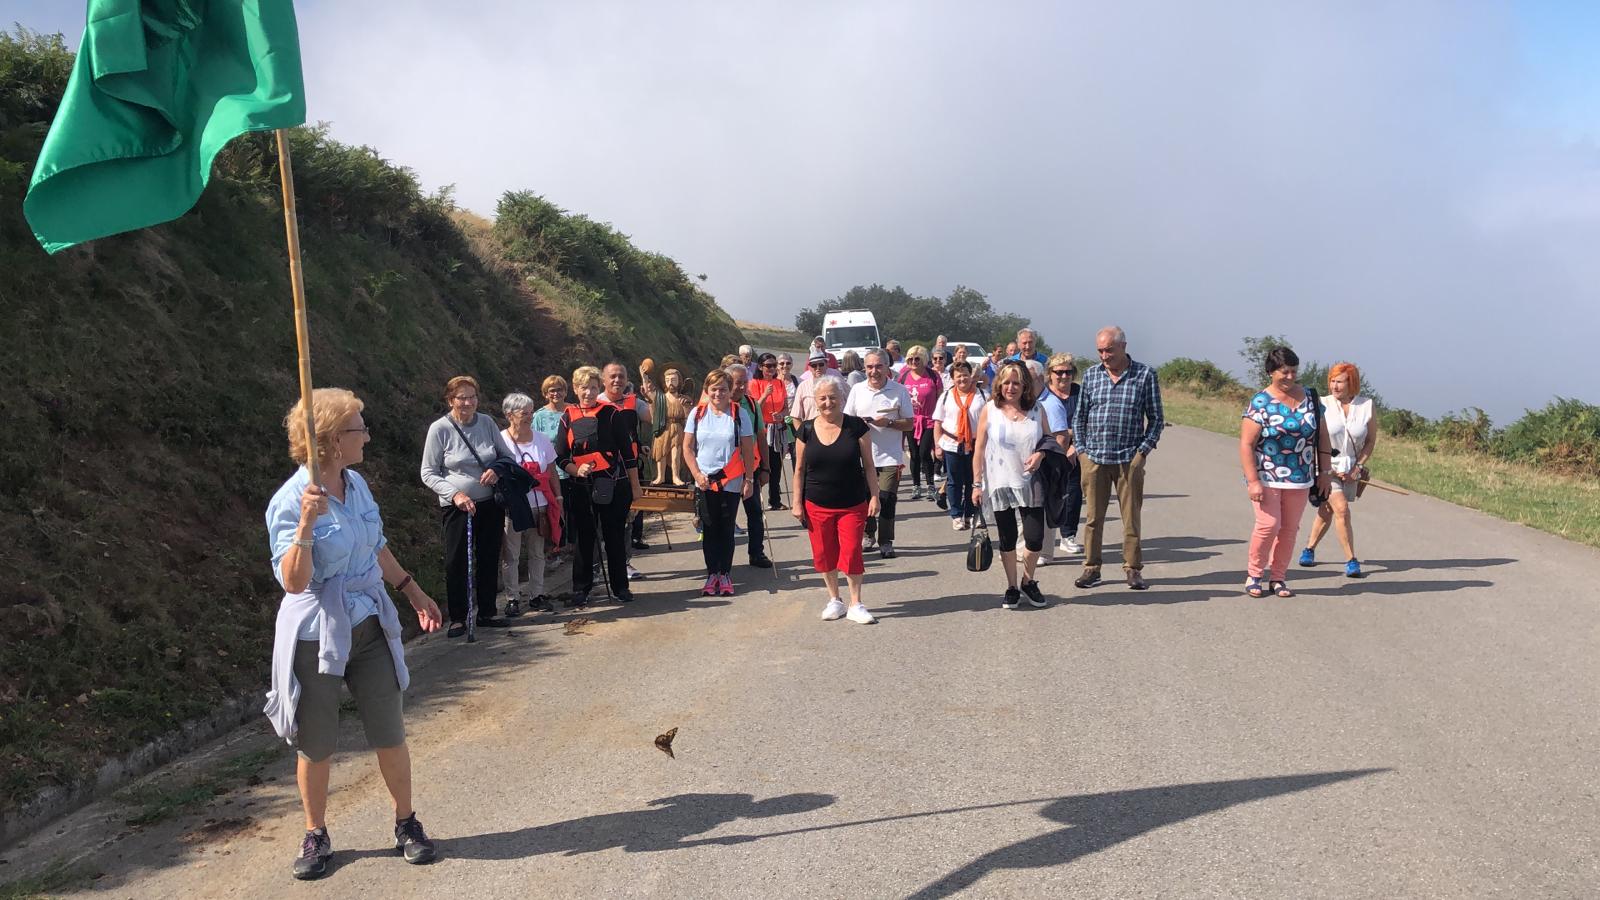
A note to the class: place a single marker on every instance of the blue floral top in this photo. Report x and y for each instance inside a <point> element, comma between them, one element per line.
<point>1286,451</point>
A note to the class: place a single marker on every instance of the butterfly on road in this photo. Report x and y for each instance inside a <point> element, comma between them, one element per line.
<point>664,741</point>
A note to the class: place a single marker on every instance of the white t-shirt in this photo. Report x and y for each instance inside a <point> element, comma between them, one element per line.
<point>947,412</point>
<point>888,444</point>
<point>541,451</point>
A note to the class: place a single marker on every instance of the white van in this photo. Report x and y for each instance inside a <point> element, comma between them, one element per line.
<point>850,329</point>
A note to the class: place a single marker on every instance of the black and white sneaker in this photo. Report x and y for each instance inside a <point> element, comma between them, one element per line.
<point>412,842</point>
<point>1030,589</point>
<point>1012,598</point>
<point>315,851</point>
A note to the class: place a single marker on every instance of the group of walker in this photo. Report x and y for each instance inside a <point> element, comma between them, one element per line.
<point>1019,440</point>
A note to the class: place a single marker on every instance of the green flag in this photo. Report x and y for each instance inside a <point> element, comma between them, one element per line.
<point>159,87</point>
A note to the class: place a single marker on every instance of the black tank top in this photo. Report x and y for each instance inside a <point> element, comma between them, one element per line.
<point>834,478</point>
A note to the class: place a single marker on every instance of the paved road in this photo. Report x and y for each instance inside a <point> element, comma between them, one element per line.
<point>1428,731</point>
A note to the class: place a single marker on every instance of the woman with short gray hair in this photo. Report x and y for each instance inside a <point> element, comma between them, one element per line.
<point>534,452</point>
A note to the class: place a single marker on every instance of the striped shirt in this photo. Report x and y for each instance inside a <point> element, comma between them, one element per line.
<point>1116,420</point>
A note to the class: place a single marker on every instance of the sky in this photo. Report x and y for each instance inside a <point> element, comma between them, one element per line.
<point>1412,186</point>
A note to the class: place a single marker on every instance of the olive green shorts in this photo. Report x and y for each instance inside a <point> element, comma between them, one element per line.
<point>371,679</point>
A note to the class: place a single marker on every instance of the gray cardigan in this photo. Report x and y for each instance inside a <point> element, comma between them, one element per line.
<point>448,465</point>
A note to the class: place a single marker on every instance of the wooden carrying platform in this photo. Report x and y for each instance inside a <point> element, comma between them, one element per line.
<point>664,499</point>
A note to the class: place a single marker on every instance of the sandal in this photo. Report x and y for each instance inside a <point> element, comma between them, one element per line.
<point>1253,588</point>
<point>1281,589</point>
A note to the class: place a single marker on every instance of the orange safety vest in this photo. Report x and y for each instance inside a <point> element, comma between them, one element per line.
<point>630,402</point>
<point>598,460</point>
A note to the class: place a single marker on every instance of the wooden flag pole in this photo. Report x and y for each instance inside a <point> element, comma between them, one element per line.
<point>1385,487</point>
<point>297,280</point>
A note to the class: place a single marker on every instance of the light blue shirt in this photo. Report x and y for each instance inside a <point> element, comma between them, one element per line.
<point>713,442</point>
<point>347,540</point>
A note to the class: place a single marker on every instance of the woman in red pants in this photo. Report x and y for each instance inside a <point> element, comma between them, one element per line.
<point>835,486</point>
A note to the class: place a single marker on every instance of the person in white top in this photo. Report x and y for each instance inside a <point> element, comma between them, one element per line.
<point>1353,431</point>
<point>884,404</point>
<point>534,452</point>
<point>960,406</point>
<point>1004,461</point>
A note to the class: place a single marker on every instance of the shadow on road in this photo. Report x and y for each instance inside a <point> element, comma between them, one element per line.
<point>1097,821</point>
<point>664,824</point>
<point>1406,565</point>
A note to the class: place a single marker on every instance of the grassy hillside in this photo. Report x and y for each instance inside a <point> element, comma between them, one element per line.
<point>148,375</point>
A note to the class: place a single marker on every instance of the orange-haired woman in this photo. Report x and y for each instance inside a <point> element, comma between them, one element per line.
<point>1353,430</point>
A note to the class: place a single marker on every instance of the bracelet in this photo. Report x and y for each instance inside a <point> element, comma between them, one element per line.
<point>400,588</point>
<point>307,543</point>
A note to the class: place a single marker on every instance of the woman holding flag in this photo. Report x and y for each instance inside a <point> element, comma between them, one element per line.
<point>336,624</point>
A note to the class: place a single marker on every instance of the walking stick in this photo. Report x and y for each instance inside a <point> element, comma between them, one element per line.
<point>472,587</point>
<point>1384,487</point>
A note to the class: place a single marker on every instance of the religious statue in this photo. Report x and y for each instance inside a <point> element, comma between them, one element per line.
<point>670,406</point>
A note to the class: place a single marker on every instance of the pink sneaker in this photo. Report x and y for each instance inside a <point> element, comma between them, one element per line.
<point>710,589</point>
<point>726,588</point>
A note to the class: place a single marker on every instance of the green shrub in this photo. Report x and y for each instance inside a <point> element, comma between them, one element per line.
<point>1403,423</point>
<point>1467,431</point>
<point>1562,437</point>
<point>1201,376</point>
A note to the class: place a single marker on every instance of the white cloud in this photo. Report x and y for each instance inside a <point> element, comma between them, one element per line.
<point>1348,174</point>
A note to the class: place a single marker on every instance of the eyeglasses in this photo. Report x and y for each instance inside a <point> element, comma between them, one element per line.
<point>467,398</point>
<point>769,365</point>
<point>361,430</point>
<point>1064,373</point>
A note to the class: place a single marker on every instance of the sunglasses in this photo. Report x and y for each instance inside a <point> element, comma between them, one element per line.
<point>1064,373</point>
<point>769,365</point>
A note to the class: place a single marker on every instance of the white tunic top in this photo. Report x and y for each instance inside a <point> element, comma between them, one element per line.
<point>1006,485</point>
<point>1347,431</point>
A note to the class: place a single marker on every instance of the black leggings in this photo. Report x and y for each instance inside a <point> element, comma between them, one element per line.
<point>717,510</point>
<point>1005,522</point>
<point>921,457</point>
<point>600,527</point>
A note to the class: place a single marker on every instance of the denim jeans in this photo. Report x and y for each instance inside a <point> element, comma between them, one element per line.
<point>958,482</point>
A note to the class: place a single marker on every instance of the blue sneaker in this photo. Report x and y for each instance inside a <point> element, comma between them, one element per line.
<point>1352,568</point>
<point>1308,557</point>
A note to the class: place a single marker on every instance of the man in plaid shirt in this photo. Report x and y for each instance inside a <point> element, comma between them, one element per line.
<point>1117,424</point>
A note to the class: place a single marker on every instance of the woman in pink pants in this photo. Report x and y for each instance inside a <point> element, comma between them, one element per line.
<point>1279,449</point>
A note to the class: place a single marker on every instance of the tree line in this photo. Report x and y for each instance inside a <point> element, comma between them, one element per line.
<point>964,315</point>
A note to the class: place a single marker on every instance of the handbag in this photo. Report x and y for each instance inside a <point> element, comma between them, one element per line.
<point>980,551</point>
<point>603,489</point>
<point>1312,495</point>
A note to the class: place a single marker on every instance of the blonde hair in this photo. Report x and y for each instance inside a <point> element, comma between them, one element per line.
<point>330,409</point>
<point>583,375</point>
<point>456,383</point>
<point>1063,359</point>
<point>1014,369</point>
<point>552,381</point>
<point>920,351</point>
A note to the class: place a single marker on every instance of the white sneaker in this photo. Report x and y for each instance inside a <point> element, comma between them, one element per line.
<point>834,610</point>
<point>859,614</point>
<point>634,574</point>
<point>955,524</point>
<point>1069,546</point>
